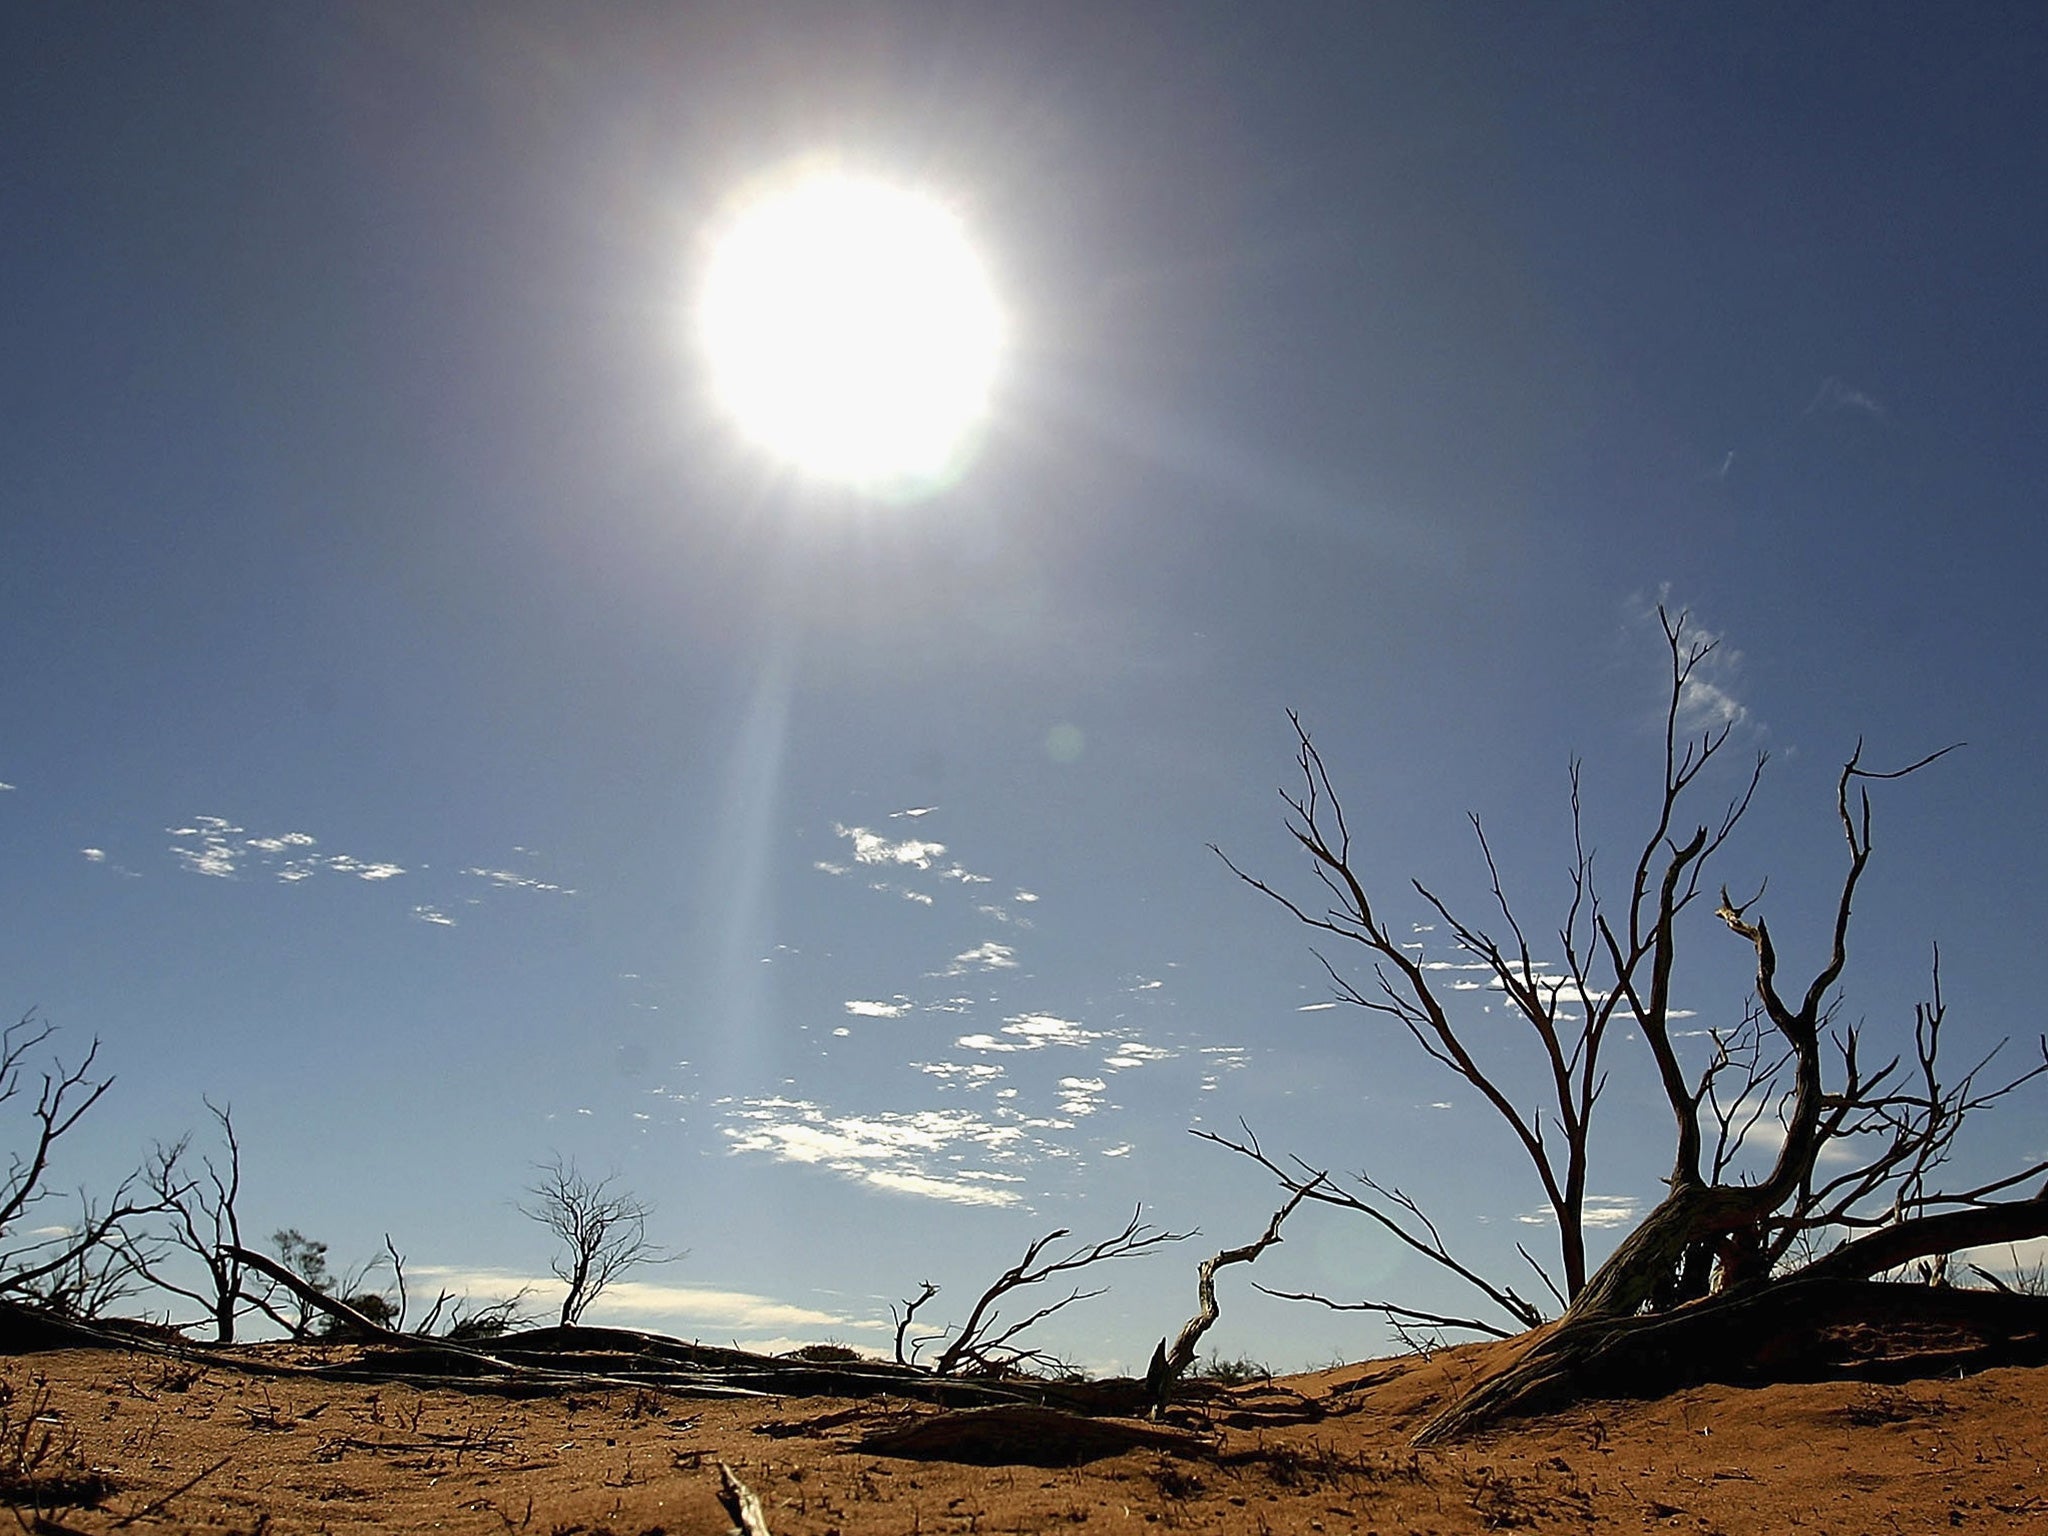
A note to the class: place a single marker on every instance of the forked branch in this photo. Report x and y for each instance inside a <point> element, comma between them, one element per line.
<point>980,1345</point>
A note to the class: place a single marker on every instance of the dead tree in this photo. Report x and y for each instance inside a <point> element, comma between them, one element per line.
<point>984,1347</point>
<point>204,1217</point>
<point>906,1347</point>
<point>347,1320</point>
<point>1171,1362</point>
<point>1715,1238</point>
<point>604,1232</point>
<point>75,1267</point>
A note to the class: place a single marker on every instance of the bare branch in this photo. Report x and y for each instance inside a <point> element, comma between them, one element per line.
<point>925,1292</point>
<point>1426,1241</point>
<point>1391,1312</point>
<point>977,1338</point>
<point>1169,1364</point>
<point>604,1232</point>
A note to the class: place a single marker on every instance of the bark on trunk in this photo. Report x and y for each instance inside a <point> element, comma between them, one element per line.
<point>1799,1329</point>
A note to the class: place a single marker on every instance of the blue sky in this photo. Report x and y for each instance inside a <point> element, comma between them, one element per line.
<point>428,727</point>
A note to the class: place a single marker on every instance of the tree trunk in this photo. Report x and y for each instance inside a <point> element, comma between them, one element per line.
<point>1607,1343</point>
<point>1797,1329</point>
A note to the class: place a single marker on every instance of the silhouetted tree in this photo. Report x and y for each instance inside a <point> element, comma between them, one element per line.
<point>603,1232</point>
<point>1689,1280</point>
<point>75,1267</point>
<point>205,1224</point>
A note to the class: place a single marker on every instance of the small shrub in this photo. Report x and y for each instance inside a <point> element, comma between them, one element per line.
<point>1231,1373</point>
<point>826,1354</point>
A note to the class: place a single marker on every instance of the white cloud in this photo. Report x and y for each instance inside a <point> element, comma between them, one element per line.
<point>975,1074</point>
<point>1706,702</point>
<point>1031,1032</point>
<point>2009,1261</point>
<point>94,855</point>
<point>702,1310</point>
<point>511,880</point>
<point>711,1310</point>
<point>862,1009</point>
<point>1045,1026</point>
<point>425,913</point>
<point>1598,1211</point>
<point>1314,1007</point>
<point>964,876</point>
<point>873,848</point>
<point>990,956</point>
<point>913,812</point>
<point>1026,897</point>
<point>343,864</point>
<point>920,1152</point>
<point>1135,1053</point>
<point>215,847</point>
<point>209,849</point>
<point>1703,705</point>
<point>1081,1095</point>
<point>826,866</point>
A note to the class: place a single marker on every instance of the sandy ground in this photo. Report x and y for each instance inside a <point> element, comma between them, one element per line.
<point>137,1442</point>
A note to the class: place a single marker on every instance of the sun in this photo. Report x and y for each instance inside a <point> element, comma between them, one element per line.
<point>850,329</point>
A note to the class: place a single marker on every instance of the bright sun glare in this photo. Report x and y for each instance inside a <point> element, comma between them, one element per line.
<point>851,331</point>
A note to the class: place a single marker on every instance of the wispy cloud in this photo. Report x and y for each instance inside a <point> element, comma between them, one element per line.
<point>1707,701</point>
<point>1225,1058</point>
<point>426,912</point>
<point>688,1309</point>
<point>94,855</point>
<point>1599,1211</point>
<point>1704,704</point>
<point>952,1155</point>
<point>215,847</point>
<point>920,898</point>
<point>512,880</point>
<point>1836,395</point>
<point>4,788</point>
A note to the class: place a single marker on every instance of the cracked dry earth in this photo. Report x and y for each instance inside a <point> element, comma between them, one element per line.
<point>104,1441</point>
